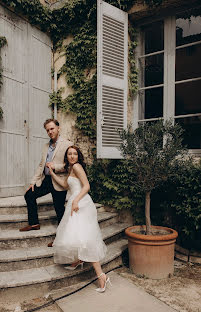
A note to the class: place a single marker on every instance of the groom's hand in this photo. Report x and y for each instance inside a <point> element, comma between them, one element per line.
<point>31,186</point>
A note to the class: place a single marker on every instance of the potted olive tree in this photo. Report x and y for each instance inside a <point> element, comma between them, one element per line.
<point>154,151</point>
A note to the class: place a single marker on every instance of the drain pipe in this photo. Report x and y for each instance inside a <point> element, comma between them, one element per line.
<point>55,90</point>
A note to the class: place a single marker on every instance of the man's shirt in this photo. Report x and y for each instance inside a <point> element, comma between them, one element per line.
<point>50,153</point>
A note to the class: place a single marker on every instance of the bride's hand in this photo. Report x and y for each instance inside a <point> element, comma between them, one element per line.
<point>74,207</point>
<point>48,165</point>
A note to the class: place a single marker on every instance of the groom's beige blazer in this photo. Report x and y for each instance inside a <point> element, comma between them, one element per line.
<point>57,159</point>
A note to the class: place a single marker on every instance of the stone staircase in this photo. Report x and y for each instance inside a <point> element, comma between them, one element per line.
<point>26,263</point>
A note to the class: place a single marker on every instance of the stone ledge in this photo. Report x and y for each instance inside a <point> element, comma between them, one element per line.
<point>196,260</point>
<point>181,257</point>
<point>187,255</point>
<point>181,250</point>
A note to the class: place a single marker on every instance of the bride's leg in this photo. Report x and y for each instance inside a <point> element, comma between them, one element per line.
<point>98,270</point>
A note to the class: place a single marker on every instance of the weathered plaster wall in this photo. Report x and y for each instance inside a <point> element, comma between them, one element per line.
<point>67,119</point>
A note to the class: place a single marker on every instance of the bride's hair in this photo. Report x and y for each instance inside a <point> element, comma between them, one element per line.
<point>80,158</point>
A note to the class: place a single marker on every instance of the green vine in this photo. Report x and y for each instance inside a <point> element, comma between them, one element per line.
<point>56,99</point>
<point>3,42</point>
<point>77,18</point>
<point>36,13</point>
<point>80,72</point>
<point>133,74</point>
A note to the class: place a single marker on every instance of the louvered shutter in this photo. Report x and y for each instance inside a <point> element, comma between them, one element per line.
<point>111,78</point>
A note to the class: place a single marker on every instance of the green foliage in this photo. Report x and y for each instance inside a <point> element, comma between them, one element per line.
<point>133,74</point>
<point>175,203</point>
<point>69,19</point>
<point>187,205</point>
<point>3,42</point>
<point>77,18</point>
<point>36,13</point>
<point>179,202</point>
<point>154,151</point>
<point>112,184</point>
<point>56,98</point>
<point>79,69</point>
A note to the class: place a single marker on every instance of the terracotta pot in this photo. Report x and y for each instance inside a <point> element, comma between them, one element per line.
<point>151,256</point>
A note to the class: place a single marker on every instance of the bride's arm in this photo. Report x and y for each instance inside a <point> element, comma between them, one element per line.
<point>59,180</point>
<point>81,175</point>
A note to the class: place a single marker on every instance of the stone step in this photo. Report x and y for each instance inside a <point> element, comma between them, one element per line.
<point>14,239</point>
<point>44,279</point>
<point>16,221</point>
<point>25,258</point>
<point>29,257</point>
<point>17,205</point>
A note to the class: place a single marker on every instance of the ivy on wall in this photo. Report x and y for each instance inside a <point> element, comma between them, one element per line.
<point>3,42</point>
<point>36,13</point>
<point>77,18</point>
<point>80,69</point>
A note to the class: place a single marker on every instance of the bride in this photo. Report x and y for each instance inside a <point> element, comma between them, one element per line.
<point>78,237</point>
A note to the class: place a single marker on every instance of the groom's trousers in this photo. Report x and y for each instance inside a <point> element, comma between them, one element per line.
<point>45,188</point>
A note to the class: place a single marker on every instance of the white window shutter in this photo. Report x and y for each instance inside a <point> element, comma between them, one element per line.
<point>112,62</point>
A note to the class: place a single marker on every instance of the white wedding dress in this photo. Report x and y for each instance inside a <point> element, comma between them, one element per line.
<point>78,236</point>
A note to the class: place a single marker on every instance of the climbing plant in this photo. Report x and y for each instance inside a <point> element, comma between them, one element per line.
<point>80,70</point>
<point>3,42</point>
<point>77,18</point>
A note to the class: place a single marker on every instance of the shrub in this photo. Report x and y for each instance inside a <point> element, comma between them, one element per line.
<point>112,184</point>
<point>179,203</point>
<point>154,151</point>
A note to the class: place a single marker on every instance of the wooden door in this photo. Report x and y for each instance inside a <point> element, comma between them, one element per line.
<point>39,90</point>
<point>24,97</point>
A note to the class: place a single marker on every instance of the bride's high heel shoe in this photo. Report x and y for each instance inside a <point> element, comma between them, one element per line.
<point>107,280</point>
<point>70,267</point>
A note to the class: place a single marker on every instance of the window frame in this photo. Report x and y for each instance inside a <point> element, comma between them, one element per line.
<point>169,81</point>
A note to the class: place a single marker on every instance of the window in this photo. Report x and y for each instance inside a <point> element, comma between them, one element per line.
<point>169,61</point>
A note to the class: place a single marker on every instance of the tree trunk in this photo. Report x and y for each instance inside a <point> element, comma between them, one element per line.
<point>147,213</point>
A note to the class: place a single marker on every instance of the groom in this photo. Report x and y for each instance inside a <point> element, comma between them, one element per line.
<point>42,183</point>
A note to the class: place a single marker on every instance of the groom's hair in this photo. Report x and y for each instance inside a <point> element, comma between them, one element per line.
<point>47,121</point>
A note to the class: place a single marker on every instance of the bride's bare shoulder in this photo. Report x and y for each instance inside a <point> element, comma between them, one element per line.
<point>77,168</point>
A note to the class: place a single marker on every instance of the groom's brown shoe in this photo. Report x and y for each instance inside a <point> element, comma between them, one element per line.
<point>50,244</point>
<point>30,228</point>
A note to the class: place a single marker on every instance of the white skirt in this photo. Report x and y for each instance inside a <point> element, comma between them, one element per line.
<point>79,236</point>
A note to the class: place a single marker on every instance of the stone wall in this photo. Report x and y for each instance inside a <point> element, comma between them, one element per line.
<point>67,119</point>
